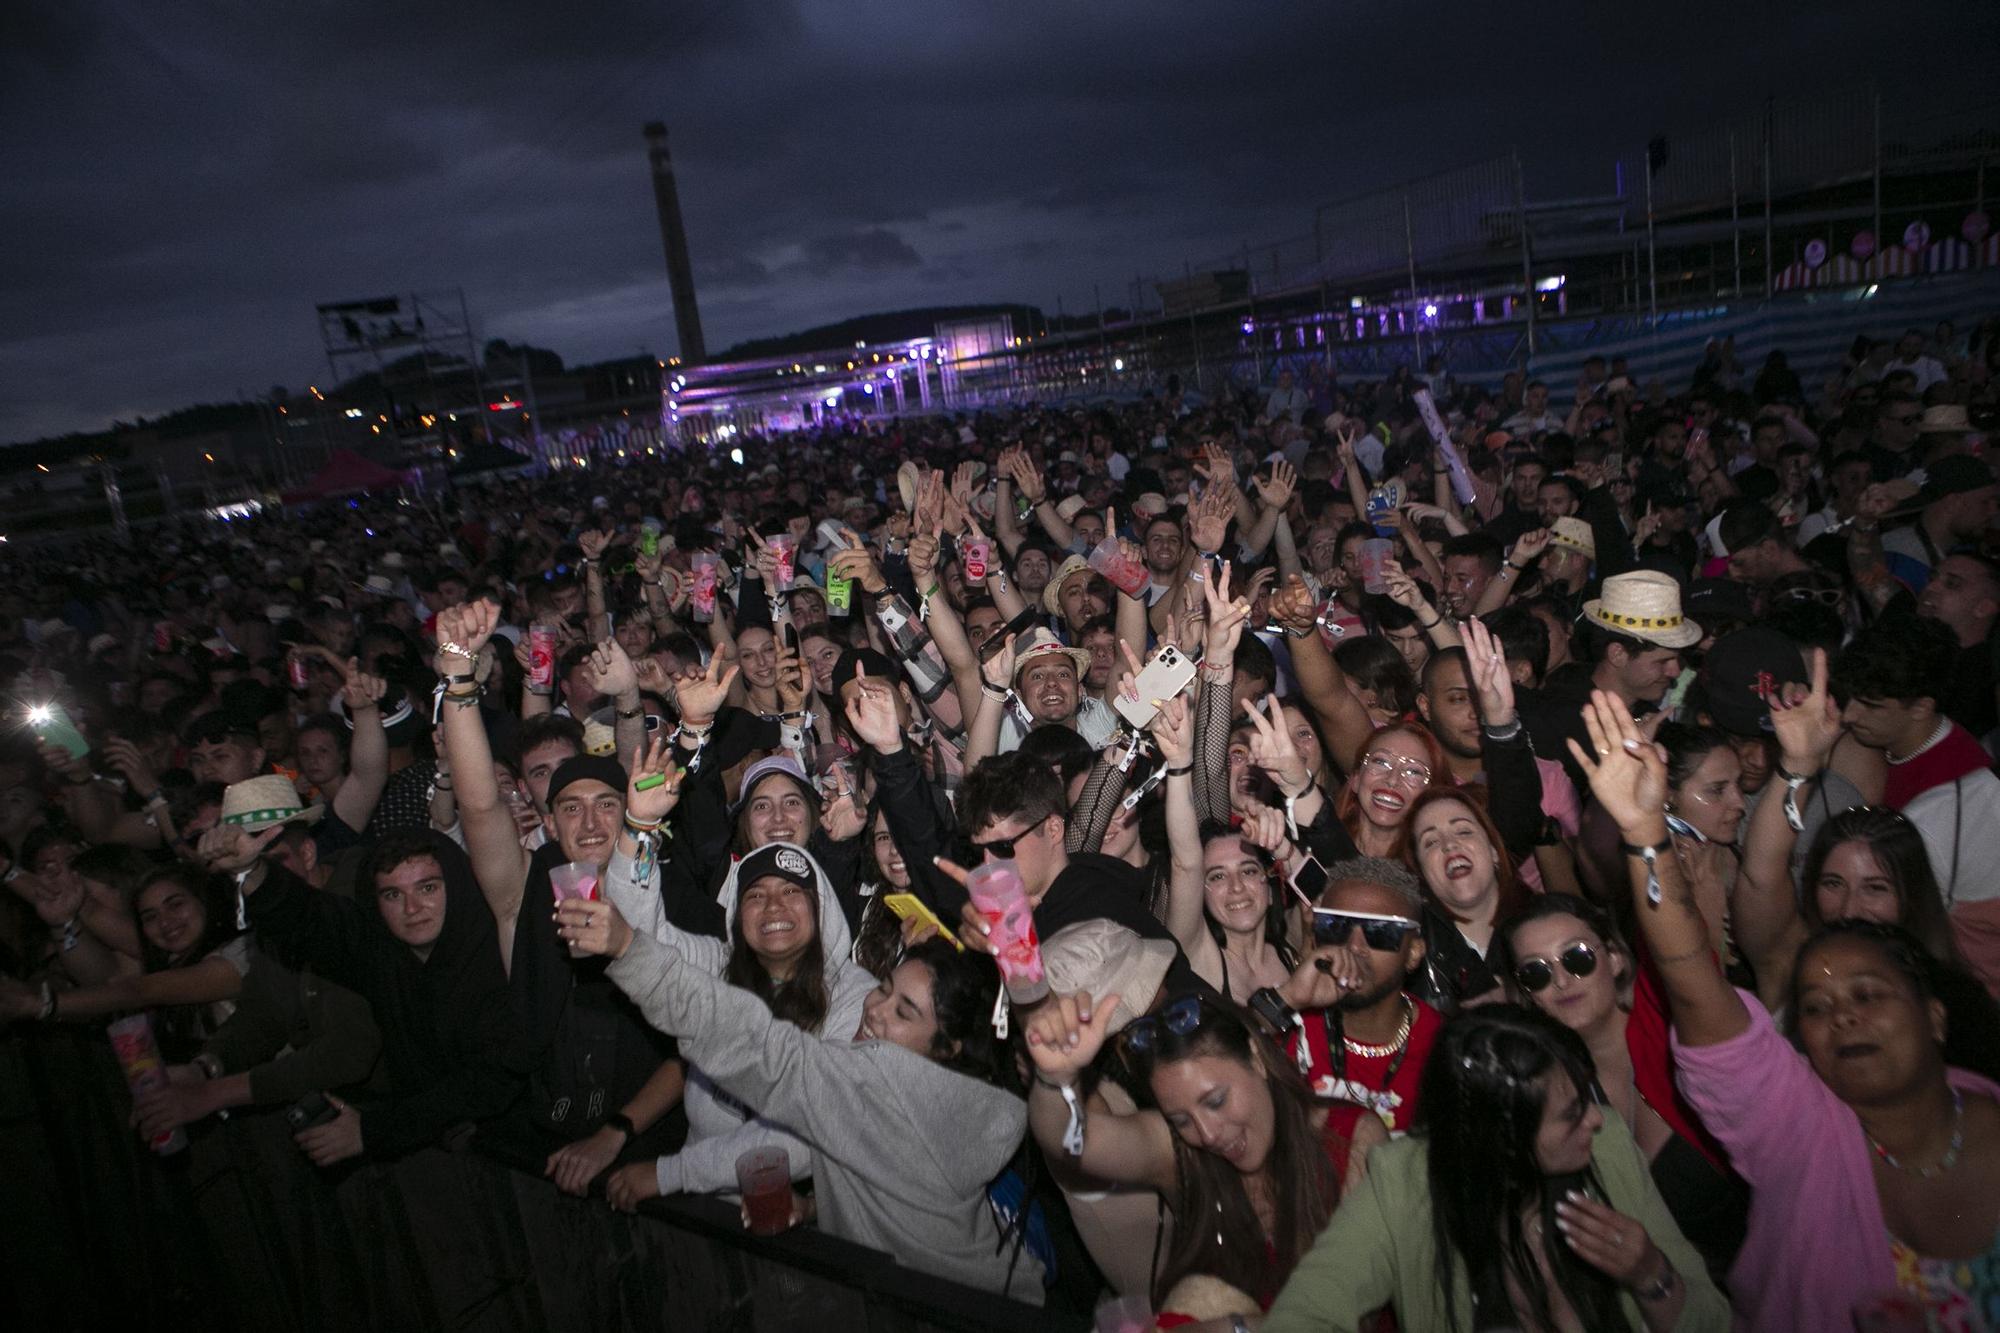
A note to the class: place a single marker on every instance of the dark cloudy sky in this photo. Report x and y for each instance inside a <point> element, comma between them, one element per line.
<point>181,182</point>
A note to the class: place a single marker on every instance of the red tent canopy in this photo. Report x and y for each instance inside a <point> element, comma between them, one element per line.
<point>345,473</point>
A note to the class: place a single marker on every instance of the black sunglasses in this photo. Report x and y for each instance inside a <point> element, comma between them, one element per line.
<point>1384,934</point>
<point>1535,974</point>
<point>1179,1018</point>
<point>1001,847</point>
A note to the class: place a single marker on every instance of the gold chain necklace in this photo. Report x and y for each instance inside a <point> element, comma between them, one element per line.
<point>1367,1052</point>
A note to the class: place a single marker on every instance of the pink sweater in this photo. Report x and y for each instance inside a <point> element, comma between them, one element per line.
<point>1817,1242</point>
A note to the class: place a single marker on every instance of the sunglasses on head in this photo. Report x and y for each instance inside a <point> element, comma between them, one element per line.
<point>1384,934</point>
<point>1535,974</point>
<point>1179,1018</point>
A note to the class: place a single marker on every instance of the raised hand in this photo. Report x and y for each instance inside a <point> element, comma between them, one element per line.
<point>613,669</point>
<point>647,567</point>
<point>1208,518</point>
<point>1530,547</point>
<point>124,756</point>
<point>843,818</point>
<point>1172,729</point>
<point>361,690</point>
<point>1276,493</point>
<point>1806,722</point>
<point>1264,826</point>
<point>872,713</point>
<point>1066,1032</point>
<point>654,800</point>
<point>700,697</point>
<point>792,683</point>
<point>998,670</point>
<point>1403,589</point>
<point>592,543</point>
<point>1627,773</point>
<point>1490,678</point>
<point>646,669</point>
<point>1271,747</point>
<point>1027,478</point>
<point>1293,607</point>
<point>1226,615</point>
<point>1324,975</point>
<point>468,626</point>
<point>924,558</point>
<point>858,563</point>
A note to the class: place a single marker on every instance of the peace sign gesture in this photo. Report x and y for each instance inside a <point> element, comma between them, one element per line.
<point>1226,616</point>
<point>1271,747</point>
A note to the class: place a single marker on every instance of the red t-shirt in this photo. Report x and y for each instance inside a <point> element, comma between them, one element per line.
<point>1949,760</point>
<point>1365,1084</point>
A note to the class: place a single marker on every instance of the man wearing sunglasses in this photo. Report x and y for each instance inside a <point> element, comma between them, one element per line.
<point>1350,1021</point>
<point>1013,807</point>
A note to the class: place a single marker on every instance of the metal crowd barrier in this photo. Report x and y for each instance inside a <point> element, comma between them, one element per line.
<point>241,1231</point>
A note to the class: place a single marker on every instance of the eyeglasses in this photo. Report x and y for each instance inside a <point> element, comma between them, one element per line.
<point>1535,974</point>
<point>1824,596</point>
<point>1384,934</point>
<point>1144,1035</point>
<point>1405,770</point>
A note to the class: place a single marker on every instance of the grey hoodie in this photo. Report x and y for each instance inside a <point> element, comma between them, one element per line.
<point>903,1147</point>
<point>721,1128</point>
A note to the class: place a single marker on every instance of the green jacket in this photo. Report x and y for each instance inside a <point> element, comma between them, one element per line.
<point>1378,1249</point>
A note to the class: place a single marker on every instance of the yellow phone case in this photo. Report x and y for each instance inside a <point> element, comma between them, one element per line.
<point>908,905</point>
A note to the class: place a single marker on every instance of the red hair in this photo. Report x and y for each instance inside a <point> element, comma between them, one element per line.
<point>1347,803</point>
<point>1513,893</point>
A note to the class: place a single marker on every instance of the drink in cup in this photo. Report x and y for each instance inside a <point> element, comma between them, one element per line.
<point>977,553</point>
<point>1375,552</point>
<point>542,658</point>
<point>702,596</point>
<point>574,879</point>
<point>999,895</point>
<point>296,671</point>
<point>139,1056</point>
<point>1128,576</point>
<point>783,554</point>
<point>764,1178</point>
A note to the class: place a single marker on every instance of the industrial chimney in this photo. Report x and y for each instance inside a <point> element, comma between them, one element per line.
<point>673,235</point>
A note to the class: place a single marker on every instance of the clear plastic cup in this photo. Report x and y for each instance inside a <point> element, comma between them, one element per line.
<point>139,1056</point>
<point>542,657</point>
<point>1128,576</point>
<point>1375,552</point>
<point>701,596</point>
<point>997,892</point>
<point>574,879</point>
<point>1124,1314</point>
<point>784,552</point>
<point>764,1178</point>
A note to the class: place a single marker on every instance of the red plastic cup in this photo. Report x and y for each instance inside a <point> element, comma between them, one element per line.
<point>764,1178</point>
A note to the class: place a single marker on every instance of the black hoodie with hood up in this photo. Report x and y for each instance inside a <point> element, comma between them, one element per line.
<point>451,1034</point>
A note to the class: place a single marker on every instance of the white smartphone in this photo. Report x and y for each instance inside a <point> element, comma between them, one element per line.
<point>1170,672</point>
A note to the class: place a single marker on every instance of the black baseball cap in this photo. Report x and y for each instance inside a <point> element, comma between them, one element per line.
<point>1744,671</point>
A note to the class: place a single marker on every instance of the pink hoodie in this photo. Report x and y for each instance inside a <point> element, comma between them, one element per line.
<point>1817,1241</point>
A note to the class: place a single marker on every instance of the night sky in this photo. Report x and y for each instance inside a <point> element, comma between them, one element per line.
<point>182,182</point>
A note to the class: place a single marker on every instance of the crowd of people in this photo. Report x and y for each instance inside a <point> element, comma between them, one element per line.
<point>1489,858</point>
